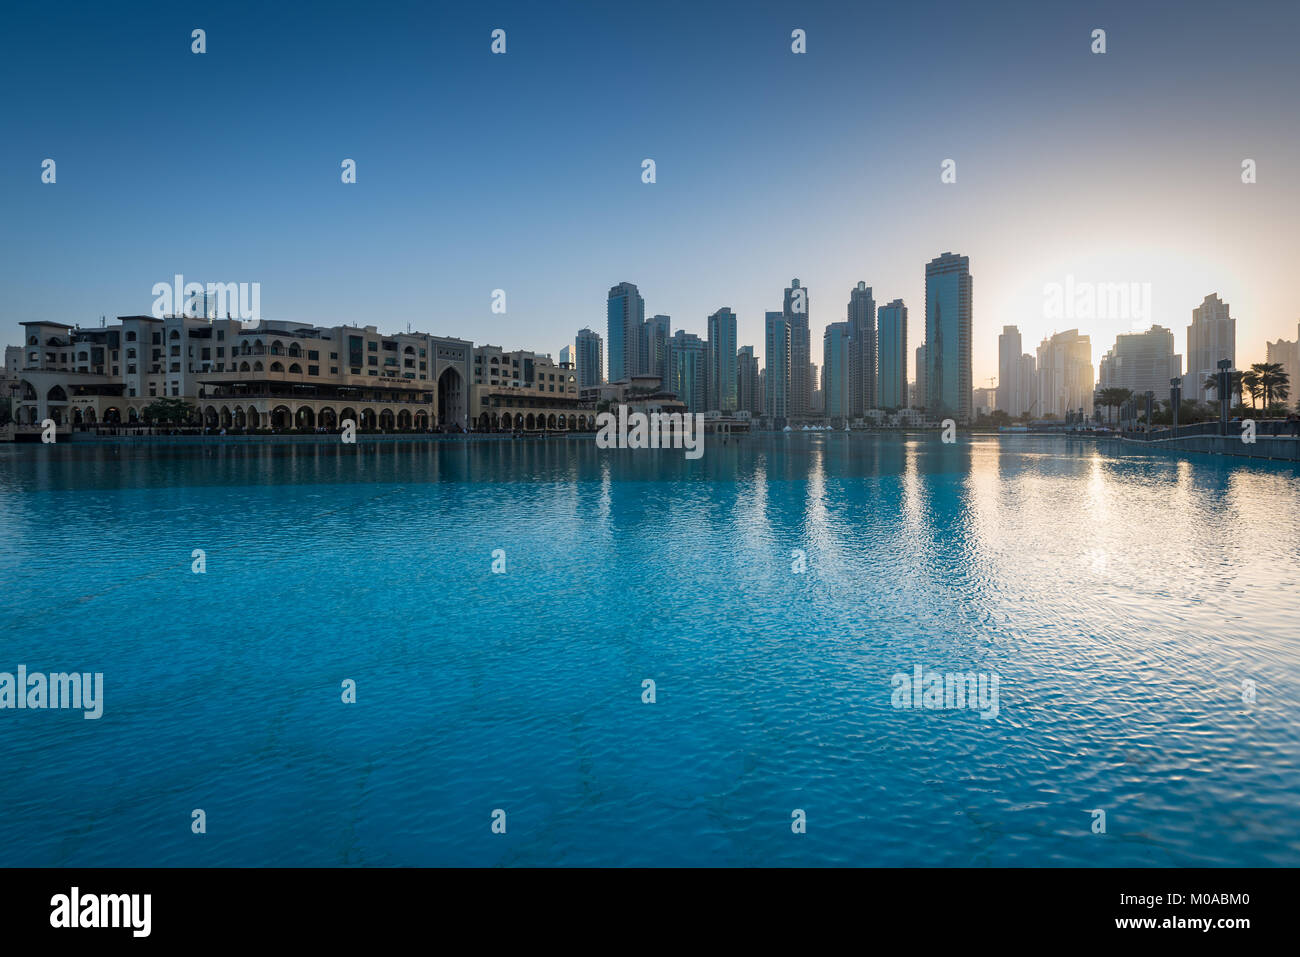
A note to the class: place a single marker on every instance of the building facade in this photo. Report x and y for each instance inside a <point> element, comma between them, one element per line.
<point>1141,362</point>
<point>838,382</point>
<point>776,369</point>
<point>1211,336</point>
<point>948,318</point>
<point>722,361</point>
<point>625,314</point>
<point>862,351</point>
<point>892,356</point>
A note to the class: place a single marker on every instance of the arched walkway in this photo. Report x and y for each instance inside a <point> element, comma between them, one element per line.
<point>451,397</point>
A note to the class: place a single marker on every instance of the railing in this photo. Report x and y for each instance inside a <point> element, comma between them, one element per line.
<point>1266,428</point>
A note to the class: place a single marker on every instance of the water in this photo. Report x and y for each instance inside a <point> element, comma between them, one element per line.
<point>1121,601</point>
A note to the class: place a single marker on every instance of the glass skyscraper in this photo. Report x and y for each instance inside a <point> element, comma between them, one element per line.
<point>776,374</point>
<point>722,361</point>
<point>892,377</point>
<point>837,375</point>
<point>948,289</point>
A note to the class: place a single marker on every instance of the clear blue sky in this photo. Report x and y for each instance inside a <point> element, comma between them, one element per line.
<point>522,171</point>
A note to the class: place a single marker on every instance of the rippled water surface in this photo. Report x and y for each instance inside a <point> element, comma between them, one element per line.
<point>1122,601</point>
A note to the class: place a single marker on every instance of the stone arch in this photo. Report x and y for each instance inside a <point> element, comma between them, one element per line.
<point>225,418</point>
<point>210,417</point>
<point>56,394</point>
<point>485,421</point>
<point>295,368</point>
<point>306,417</point>
<point>550,421</point>
<point>452,407</point>
<point>254,418</point>
<point>257,366</point>
<point>367,419</point>
<point>281,417</point>
<point>422,420</point>
<point>277,367</point>
<point>387,421</point>
<point>112,416</point>
<point>349,413</point>
<point>404,420</point>
<point>327,419</point>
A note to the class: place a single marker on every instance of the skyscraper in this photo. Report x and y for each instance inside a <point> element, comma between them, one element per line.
<point>948,310</point>
<point>799,390</point>
<point>1286,353</point>
<point>1009,352</point>
<point>837,372</point>
<point>590,353</point>
<point>655,334</point>
<point>749,394</point>
<point>891,379</point>
<point>862,359</point>
<point>776,373</point>
<point>1065,375</point>
<point>722,360</point>
<point>1141,362</point>
<point>625,311</point>
<point>687,370</point>
<point>1211,336</point>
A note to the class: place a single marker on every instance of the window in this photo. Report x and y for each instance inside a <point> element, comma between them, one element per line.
<point>130,370</point>
<point>130,336</point>
<point>313,370</point>
<point>334,355</point>
<point>372,346</point>
<point>313,355</point>
<point>130,353</point>
<point>334,370</point>
<point>374,361</point>
<point>221,337</point>
<point>221,352</point>
<point>157,338</point>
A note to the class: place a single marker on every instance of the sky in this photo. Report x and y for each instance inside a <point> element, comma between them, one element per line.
<point>523,171</point>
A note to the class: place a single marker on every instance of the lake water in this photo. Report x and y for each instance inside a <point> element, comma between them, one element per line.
<point>1120,600</point>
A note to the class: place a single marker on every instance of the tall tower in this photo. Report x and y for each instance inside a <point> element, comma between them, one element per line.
<point>796,316</point>
<point>862,390</point>
<point>625,311</point>
<point>891,380</point>
<point>948,290</point>
<point>776,375</point>
<point>1211,336</point>
<point>722,360</point>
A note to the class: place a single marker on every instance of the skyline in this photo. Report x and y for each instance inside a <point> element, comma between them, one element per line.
<point>1098,167</point>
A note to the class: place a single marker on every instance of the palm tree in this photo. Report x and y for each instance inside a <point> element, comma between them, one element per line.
<point>1112,398</point>
<point>1250,384</point>
<point>1234,383</point>
<point>1273,381</point>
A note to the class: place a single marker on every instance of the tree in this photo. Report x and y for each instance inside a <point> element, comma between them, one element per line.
<point>169,411</point>
<point>1272,381</point>
<point>1234,383</point>
<point>1112,398</point>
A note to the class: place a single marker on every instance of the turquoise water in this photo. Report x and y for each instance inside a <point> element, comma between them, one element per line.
<point>1120,600</point>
